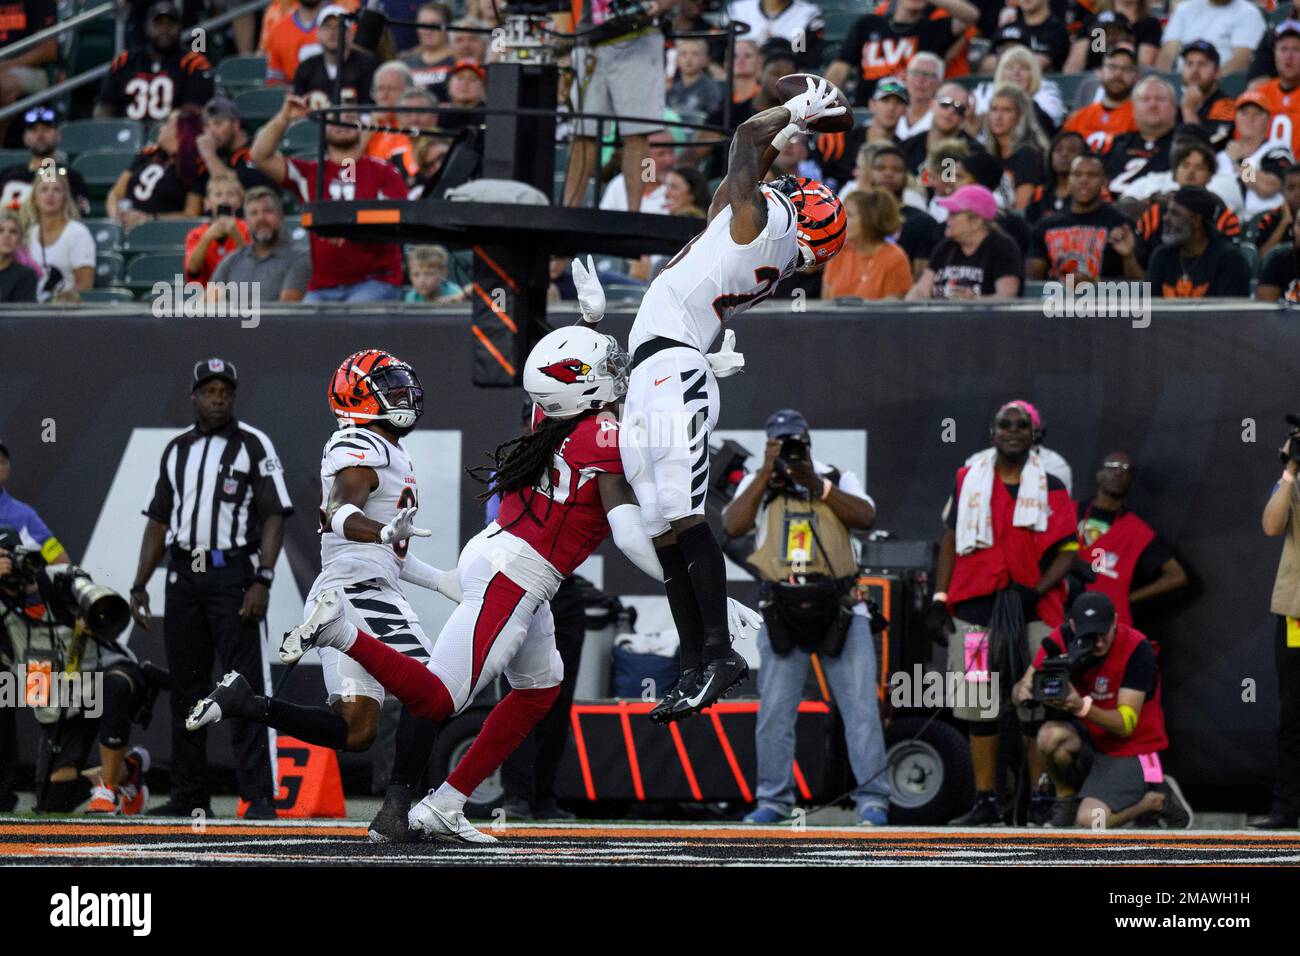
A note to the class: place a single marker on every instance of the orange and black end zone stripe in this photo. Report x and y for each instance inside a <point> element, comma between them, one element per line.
<point>636,758</point>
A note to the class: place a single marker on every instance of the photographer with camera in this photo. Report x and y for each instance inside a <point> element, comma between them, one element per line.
<point>32,532</point>
<point>1102,747</point>
<point>802,512</point>
<point>59,641</point>
<point>1282,517</point>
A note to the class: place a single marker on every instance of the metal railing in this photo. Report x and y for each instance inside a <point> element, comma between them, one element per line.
<point>98,72</point>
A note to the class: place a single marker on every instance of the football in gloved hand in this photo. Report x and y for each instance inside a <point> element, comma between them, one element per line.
<point>796,83</point>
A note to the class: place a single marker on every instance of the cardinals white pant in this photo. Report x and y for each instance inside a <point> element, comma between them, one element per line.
<point>502,625</point>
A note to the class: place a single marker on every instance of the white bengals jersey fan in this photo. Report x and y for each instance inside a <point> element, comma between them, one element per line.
<point>713,278</point>
<point>346,562</point>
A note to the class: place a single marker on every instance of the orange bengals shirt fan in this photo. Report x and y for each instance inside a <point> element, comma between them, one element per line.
<point>1285,107</point>
<point>1095,123</point>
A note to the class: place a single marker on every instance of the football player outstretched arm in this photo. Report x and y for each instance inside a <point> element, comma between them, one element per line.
<point>591,294</point>
<point>754,147</point>
<point>629,534</point>
<point>351,488</point>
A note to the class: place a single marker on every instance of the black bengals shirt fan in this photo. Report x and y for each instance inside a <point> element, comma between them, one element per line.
<point>143,86</point>
<point>877,46</point>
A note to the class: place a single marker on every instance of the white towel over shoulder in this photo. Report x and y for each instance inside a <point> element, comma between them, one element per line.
<point>975,510</point>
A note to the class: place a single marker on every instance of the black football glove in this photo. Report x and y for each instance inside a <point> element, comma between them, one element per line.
<point>938,622</point>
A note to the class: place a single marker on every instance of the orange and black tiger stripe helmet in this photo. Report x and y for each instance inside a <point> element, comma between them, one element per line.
<point>822,222</point>
<point>374,385</point>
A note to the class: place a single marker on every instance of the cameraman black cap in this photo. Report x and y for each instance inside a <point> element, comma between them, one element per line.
<point>787,423</point>
<point>1092,615</point>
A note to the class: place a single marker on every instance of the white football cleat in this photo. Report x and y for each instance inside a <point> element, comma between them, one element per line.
<point>447,827</point>
<point>322,627</point>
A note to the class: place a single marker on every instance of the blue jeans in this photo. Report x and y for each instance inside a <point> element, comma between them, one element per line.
<point>370,290</point>
<point>852,678</point>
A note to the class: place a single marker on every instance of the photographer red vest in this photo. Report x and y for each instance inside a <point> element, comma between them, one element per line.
<point>1015,553</point>
<point>1103,684</point>
<point>1114,557</point>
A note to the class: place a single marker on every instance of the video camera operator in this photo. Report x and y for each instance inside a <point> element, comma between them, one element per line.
<point>802,511</point>
<point>60,642</point>
<point>1282,517</point>
<point>1102,751</point>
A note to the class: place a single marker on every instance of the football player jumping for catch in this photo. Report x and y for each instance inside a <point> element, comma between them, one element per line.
<point>562,493</point>
<point>757,234</point>
<point>369,497</point>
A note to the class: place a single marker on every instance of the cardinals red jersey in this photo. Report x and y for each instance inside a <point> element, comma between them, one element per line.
<point>567,520</point>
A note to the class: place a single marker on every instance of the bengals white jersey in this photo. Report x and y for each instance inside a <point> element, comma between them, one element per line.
<point>713,278</point>
<point>346,562</point>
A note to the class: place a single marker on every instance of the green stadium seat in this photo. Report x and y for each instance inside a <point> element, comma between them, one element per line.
<point>160,235</point>
<point>238,73</point>
<point>13,157</point>
<point>109,267</point>
<point>301,138</point>
<point>101,169</point>
<point>837,25</point>
<point>1252,257</point>
<point>861,116</point>
<point>107,296</point>
<point>259,105</point>
<point>1283,12</point>
<point>1033,289</point>
<point>1068,83</point>
<point>80,136</point>
<point>143,271</point>
<point>1234,84</point>
<point>106,232</point>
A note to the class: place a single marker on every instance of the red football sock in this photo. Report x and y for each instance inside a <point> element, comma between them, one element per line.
<point>504,730</point>
<point>404,677</point>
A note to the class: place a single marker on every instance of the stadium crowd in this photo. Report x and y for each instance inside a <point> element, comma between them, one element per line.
<point>994,148</point>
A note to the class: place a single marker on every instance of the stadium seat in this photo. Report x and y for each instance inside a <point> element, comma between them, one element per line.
<point>1252,257</point>
<point>837,26</point>
<point>13,157</point>
<point>259,105</point>
<point>1033,289</point>
<point>861,116</point>
<point>109,267</point>
<point>110,295</point>
<point>238,73</point>
<point>1283,12</point>
<point>101,168</point>
<point>80,136</point>
<point>107,234</point>
<point>303,137</point>
<point>1068,84</point>
<point>1234,84</point>
<point>160,235</point>
<point>143,271</point>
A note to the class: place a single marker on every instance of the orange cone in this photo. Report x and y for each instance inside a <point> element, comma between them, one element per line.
<point>310,785</point>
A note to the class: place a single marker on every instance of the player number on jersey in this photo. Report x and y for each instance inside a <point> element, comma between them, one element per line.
<point>406,499</point>
<point>767,278</point>
<point>148,181</point>
<point>342,190</point>
<point>150,98</point>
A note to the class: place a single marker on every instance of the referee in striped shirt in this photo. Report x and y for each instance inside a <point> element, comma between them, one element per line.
<point>218,510</point>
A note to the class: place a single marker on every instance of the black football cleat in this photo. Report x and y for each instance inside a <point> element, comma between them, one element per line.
<point>390,823</point>
<point>229,698</point>
<point>673,706</point>
<point>716,678</point>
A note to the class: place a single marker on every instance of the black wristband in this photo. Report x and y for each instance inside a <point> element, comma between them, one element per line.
<point>264,575</point>
<point>138,589</point>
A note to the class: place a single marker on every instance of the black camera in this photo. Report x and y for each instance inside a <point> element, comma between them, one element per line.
<point>225,209</point>
<point>1051,680</point>
<point>1294,437</point>
<point>794,450</point>
<point>53,279</point>
<point>70,592</point>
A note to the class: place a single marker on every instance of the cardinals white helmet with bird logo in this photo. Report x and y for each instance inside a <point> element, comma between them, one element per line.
<point>574,370</point>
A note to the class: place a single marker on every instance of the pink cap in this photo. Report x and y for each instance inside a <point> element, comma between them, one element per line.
<point>974,199</point>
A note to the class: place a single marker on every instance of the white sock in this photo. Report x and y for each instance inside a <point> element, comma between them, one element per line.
<point>449,799</point>
<point>343,635</point>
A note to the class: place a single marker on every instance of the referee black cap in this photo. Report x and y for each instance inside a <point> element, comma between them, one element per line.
<point>205,369</point>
